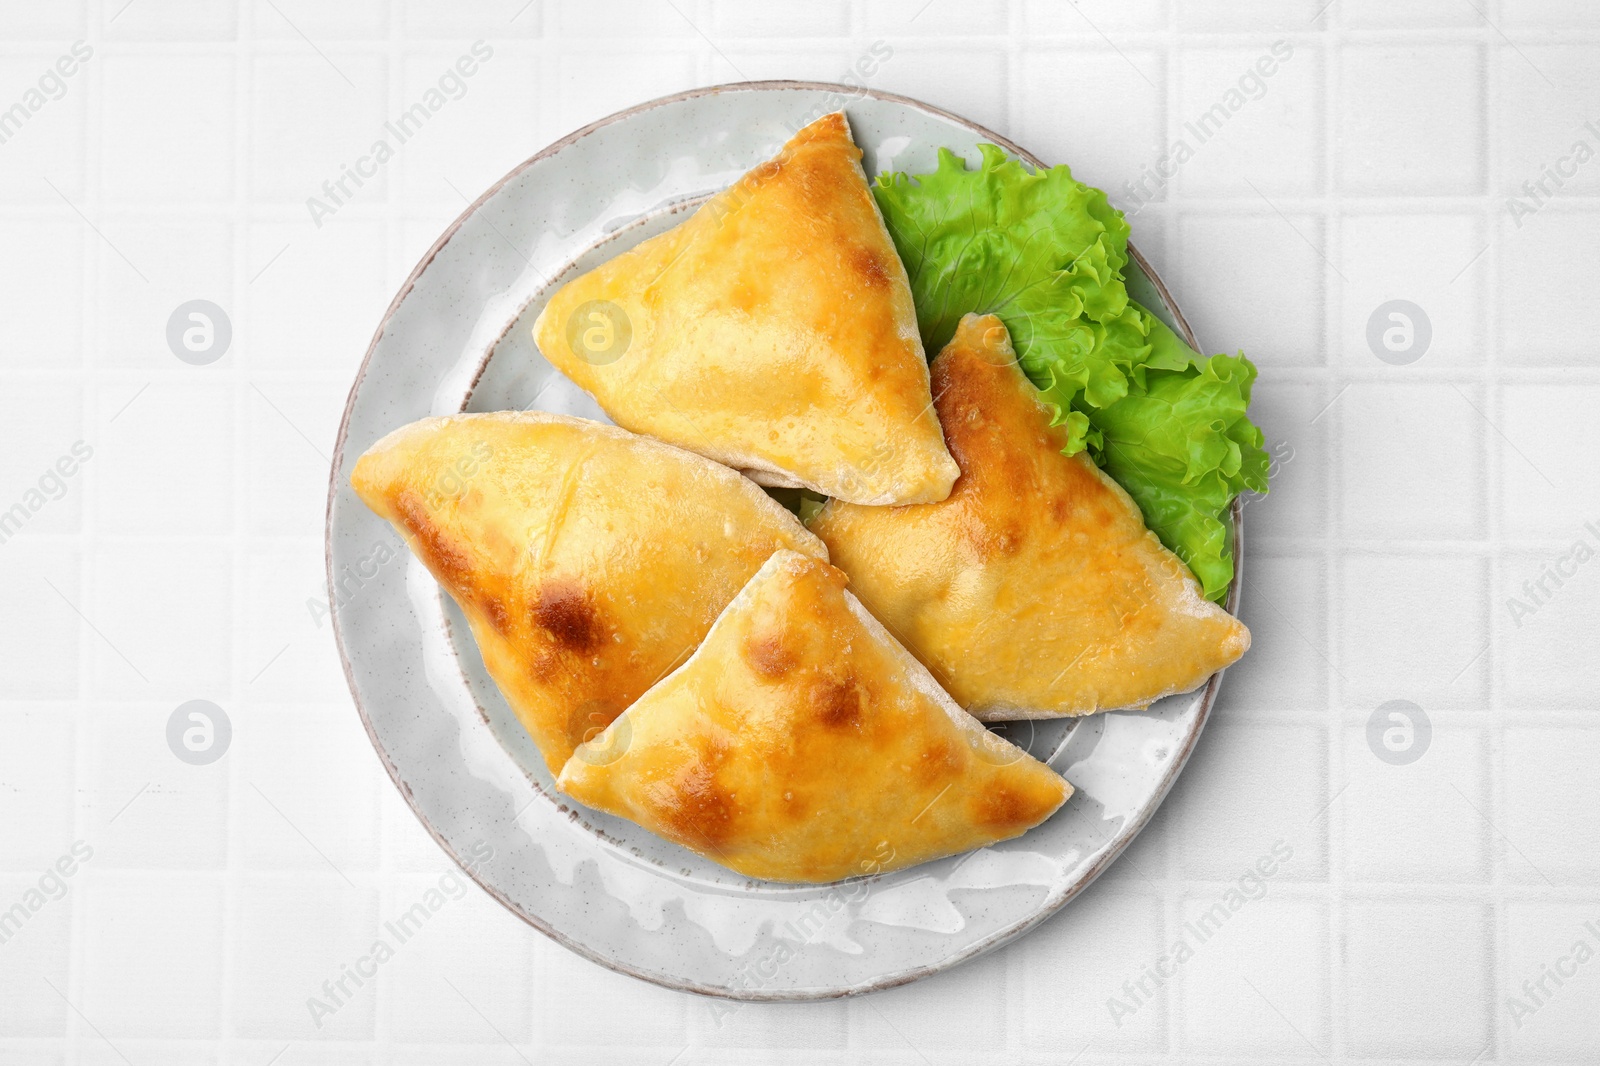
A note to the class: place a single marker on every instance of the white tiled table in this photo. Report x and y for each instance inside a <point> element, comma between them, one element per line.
<point>1411,503</point>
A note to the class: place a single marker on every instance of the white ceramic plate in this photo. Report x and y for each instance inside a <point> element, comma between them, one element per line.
<point>457,338</point>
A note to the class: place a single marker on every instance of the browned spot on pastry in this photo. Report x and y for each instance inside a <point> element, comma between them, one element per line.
<point>769,657</point>
<point>940,761</point>
<point>837,702</point>
<point>450,562</point>
<point>1001,807</point>
<point>870,267</point>
<point>695,809</point>
<point>495,608</point>
<point>563,611</point>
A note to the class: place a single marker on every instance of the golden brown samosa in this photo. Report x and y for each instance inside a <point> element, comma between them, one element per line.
<point>801,742</point>
<point>1034,590</point>
<point>588,560</point>
<point>772,331</point>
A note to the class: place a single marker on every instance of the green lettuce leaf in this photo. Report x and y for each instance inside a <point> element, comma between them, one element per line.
<point>1047,254</point>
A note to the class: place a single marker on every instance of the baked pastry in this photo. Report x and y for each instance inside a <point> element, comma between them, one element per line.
<point>801,742</point>
<point>1034,590</point>
<point>588,560</point>
<point>772,331</point>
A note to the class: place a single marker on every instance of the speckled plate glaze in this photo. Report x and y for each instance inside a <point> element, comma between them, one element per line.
<point>457,338</point>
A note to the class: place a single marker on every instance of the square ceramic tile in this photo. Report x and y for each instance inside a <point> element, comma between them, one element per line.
<point>36,759</point>
<point>307,22</point>
<point>479,19</point>
<point>1257,979</point>
<point>1542,611</point>
<point>1384,655</point>
<point>290,428</point>
<point>830,61</point>
<point>1295,438</point>
<point>342,157</point>
<point>1545,488</point>
<point>918,71</point>
<point>938,1015</point>
<point>1100,112</point>
<point>468,149</point>
<point>1092,17</point>
<point>1439,491</point>
<point>1411,119</point>
<point>1208,16</point>
<point>1285,604</point>
<point>47,636</point>
<point>1254,282</point>
<point>577,20</point>
<point>167,127</point>
<point>288,650</point>
<point>43,130</point>
<point>474,1055</point>
<point>164,466</point>
<point>657,1018</point>
<point>51,22</point>
<point>147,808</point>
<point>440,994</point>
<point>1551,998</point>
<point>822,18</point>
<point>810,1029</point>
<point>897,19</point>
<point>190,654</point>
<point>597,83</point>
<point>1418,978</point>
<point>1415,822</point>
<point>337,280</point>
<point>1546,314</point>
<point>36,949</point>
<point>49,281</point>
<point>1432,261</point>
<point>39,468</point>
<point>1225,828</point>
<point>1551,821</point>
<point>1096,963</point>
<point>1248,117</point>
<point>1546,14</point>
<point>306,800</point>
<point>1382,14</point>
<point>152,968</point>
<point>1546,146</point>
<point>182,20</point>
<point>183,259</point>
<point>296,937</point>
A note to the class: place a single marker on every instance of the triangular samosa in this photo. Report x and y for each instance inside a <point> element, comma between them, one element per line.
<point>801,742</point>
<point>588,560</point>
<point>1034,590</point>
<point>772,331</point>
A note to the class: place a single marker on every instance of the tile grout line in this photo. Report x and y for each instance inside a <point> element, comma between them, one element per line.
<point>1171,901</point>
<point>243,241</point>
<point>1497,943</point>
<point>89,337</point>
<point>384,892</point>
<point>1332,827</point>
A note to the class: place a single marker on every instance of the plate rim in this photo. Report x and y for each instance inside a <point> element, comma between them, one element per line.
<point>1118,845</point>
